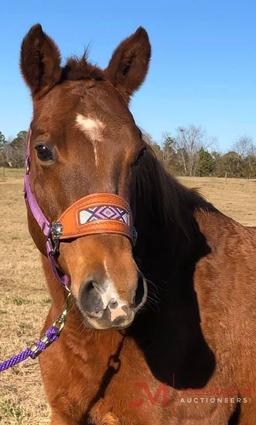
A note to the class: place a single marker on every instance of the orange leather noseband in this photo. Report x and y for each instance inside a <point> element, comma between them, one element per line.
<point>94,214</point>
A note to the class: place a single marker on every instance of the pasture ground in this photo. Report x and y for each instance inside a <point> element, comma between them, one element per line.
<point>24,300</point>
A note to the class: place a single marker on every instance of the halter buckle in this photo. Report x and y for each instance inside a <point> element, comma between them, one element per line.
<point>56,230</point>
<point>53,246</point>
<point>54,240</point>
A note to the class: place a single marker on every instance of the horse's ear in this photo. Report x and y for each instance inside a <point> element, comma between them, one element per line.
<point>39,61</point>
<point>129,64</point>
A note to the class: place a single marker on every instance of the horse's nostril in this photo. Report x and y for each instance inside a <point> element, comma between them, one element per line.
<point>125,308</point>
<point>113,304</point>
<point>90,299</point>
<point>118,320</point>
<point>139,294</point>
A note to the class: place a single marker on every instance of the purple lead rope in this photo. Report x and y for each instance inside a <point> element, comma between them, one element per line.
<point>50,336</point>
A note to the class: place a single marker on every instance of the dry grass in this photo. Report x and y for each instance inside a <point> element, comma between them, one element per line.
<point>234,197</point>
<point>23,306</point>
<point>24,301</point>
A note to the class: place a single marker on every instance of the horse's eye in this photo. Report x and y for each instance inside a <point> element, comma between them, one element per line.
<point>44,152</point>
<point>140,155</point>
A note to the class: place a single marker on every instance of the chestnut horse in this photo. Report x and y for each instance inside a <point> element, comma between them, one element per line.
<point>183,347</point>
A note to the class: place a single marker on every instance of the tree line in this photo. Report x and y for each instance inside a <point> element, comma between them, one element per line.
<point>12,151</point>
<point>189,152</point>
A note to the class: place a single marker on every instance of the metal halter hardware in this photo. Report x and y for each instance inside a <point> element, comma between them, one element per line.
<point>56,230</point>
<point>58,324</point>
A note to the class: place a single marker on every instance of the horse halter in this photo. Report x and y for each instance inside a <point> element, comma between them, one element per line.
<point>97,213</point>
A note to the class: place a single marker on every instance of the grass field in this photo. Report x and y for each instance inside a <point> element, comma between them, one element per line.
<point>24,300</point>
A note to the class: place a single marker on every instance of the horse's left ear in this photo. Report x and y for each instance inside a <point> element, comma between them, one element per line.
<point>129,64</point>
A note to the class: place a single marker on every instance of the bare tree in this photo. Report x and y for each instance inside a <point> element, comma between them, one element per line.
<point>244,146</point>
<point>189,141</point>
<point>246,149</point>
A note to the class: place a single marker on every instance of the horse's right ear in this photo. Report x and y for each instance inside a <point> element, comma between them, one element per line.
<point>39,61</point>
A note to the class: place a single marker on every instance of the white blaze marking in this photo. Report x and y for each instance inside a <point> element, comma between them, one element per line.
<point>111,294</point>
<point>106,268</point>
<point>93,129</point>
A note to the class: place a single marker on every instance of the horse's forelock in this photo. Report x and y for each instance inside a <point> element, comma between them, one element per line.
<point>80,69</point>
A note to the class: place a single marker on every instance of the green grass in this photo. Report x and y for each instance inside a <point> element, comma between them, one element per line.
<point>9,410</point>
<point>20,301</point>
<point>46,301</point>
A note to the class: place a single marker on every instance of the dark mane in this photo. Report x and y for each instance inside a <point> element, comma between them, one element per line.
<point>80,69</point>
<point>168,203</point>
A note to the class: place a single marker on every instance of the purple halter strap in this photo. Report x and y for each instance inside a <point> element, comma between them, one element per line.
<point>42,221</point>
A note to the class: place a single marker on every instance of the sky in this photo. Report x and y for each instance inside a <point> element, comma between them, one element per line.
<point>203,66</point>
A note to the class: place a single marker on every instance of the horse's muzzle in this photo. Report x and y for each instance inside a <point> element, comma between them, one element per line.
<point>103,308</point>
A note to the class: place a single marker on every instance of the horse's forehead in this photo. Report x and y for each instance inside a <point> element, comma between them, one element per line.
<point>92,106</point>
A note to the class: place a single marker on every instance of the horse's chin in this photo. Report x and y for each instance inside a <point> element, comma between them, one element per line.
<point>99,324</point>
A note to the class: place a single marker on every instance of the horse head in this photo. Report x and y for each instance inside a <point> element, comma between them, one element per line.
<point>84,140</point>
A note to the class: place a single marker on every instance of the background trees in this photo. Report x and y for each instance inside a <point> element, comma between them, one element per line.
<point>188,152</point>
<point>206,163</point>
<point>246,149</point>
<point>12,152</point>
<point>3,143</point>
<point>17,149</point>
